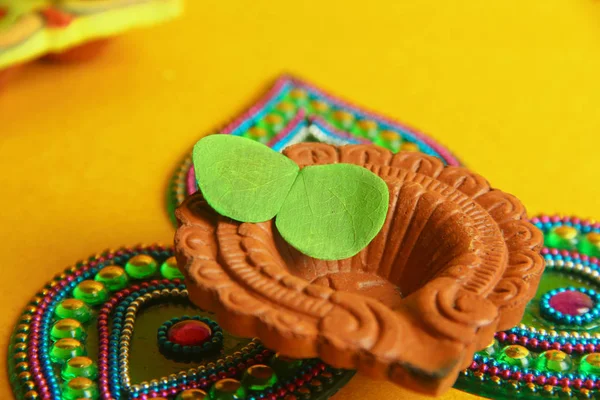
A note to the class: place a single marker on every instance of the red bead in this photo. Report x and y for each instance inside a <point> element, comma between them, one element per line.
<point>545,345</point>
<point>565,382</point>
<point>272,397</point>
<point>222,375</point>
<point>529,378</point>
<point>589,384</point>
<point>589,348</point>
<point>281,392</point>
<point>259,358</point>
<point>203,383</point>
<point>299,382</point>
<point>483,368</point>
<point>523,340</point>
<point>473,366</point>
<point>533,343</point>
<point>493,371</point>
<point>567,348</point>
<point>189,333</point>
<point>290,387</point>
<point>540,380</point>
<point>577,383</point>
<point>553,381</point>
<point>512,338</point>
<point>505,374</point>
<point>555,346</point>
<point>501,336</point>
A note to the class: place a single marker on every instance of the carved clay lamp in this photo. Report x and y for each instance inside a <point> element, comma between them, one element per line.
<point>454,262</point>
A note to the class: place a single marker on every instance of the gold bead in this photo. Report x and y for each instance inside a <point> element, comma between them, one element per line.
<point>21,337</point>
<point>20,356</point>
<point>32,395</point>
<point>20,347</point>
<point>23,328</point>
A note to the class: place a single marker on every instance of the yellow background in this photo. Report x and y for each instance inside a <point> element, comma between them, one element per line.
<point>86,150</point>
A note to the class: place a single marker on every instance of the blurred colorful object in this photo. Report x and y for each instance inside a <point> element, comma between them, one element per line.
<point>32,28</point>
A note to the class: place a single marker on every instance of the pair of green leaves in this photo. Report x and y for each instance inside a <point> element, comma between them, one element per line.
<point>329,212</point>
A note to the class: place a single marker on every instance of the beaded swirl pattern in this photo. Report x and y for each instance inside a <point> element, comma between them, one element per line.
<point>555,351</point>
<point>99,328</point>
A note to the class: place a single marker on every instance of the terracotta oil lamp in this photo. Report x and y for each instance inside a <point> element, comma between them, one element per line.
<point>454,262</point>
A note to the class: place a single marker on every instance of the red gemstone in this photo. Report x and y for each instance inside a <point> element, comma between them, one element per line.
<point>189,333</point>
<point>571,302</point>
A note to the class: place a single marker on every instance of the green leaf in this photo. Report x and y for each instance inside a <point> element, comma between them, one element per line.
<point>242,179</point>
<point>333,211</point>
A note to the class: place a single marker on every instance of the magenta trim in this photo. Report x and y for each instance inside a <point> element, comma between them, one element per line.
<point>257,107</point>
<point>191,181</point>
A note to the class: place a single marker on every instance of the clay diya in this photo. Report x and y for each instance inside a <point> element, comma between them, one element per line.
<point>454,262</point>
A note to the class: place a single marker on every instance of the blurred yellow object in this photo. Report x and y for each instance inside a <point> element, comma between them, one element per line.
<point>31,35</point>
<point>86,151</point>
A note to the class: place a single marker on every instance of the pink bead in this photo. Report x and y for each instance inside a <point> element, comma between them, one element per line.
<point>545,219</point>
<point>555,219</point>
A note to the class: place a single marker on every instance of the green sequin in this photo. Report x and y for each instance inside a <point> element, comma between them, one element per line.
<point>169,269</point>
<point>65,349</point>
<point>590,364</point>
<point>78,388</point>
<point>562,237</point>
<point>141,267</point>
<point>113,277</point>
<point>67,328</point>
<point>79,367</point>
<point>259,377</point>
<point>554,361</point>
<point>227,389</point>
<point>285,366</point>
<point>515,355</point>
<point>91,292</point>
<point>73,308</point>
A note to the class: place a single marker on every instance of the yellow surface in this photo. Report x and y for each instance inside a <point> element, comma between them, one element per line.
<point>86,150</point>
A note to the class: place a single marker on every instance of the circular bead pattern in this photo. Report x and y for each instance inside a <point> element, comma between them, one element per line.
<point>555,351</point>
<point>571,306</point>
<point>48,352</point>
<point>190,337</point>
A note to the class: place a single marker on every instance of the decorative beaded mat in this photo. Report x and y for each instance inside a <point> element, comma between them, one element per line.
<point>555,351</point>
<point>120,326</point>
